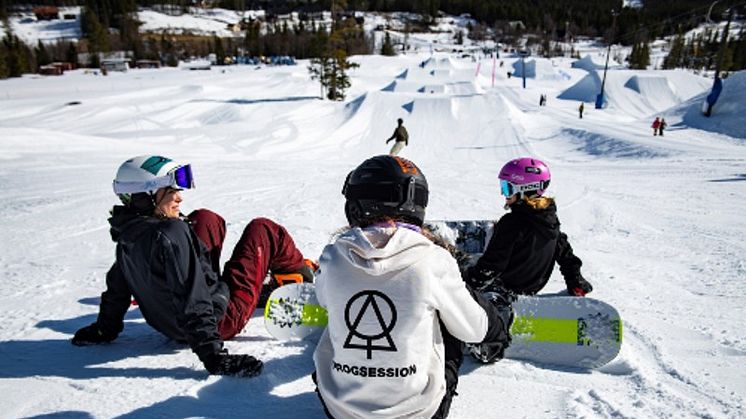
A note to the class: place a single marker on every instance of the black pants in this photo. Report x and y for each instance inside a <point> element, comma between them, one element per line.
<point>454,356</point>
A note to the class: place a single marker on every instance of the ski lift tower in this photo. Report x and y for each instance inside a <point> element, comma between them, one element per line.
<point>600,96</point>
<point>523,54</point>
<point>717,86</point>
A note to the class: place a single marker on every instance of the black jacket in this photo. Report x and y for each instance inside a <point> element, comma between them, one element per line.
<point>400,135</point>
<point>521,254</point>
<point>163,264</point>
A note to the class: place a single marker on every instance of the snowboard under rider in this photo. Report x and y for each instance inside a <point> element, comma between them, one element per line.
<point>398,309</point>
<point>527,241</point>
<point>169,263</point>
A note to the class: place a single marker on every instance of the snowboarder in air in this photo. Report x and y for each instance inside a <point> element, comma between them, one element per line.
<point>401,136</point>
<point>526,242</point>
<point>656,125</point>
<point>170,264</point>
<point>398,308</point>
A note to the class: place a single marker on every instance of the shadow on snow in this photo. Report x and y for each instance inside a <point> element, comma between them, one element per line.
<point>225,397</point>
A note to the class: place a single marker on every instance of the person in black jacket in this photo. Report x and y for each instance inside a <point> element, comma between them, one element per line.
<point>400,136</point>
<point>527,242</point>
<point>170,265</point>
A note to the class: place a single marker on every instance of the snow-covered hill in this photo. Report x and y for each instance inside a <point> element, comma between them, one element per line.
<point>657,221</point>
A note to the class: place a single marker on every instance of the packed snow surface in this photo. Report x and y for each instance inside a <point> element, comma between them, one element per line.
<point>658,222</point>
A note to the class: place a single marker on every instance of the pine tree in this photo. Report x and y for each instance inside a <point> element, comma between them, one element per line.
<point>167,51</point>
<point>331,71</point>
<point>639,58</point>
<point>4,74</point>
<point>72,55</point>
<point>387,48</point>
<point>97,34</point>
<point>675,57</point>
<point>739,52</point>
<point>42,56</point>
<point>728,57</point>
<point>317,69</point>
<point>18,56</point>
<point>252,41</point>
<point>337,79</point>
<point>219,50</point>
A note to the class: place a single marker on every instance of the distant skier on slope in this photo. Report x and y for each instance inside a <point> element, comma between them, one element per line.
<point>170,264</point>
<point>526,242</point>
<point>385,282</point>
<point>401,136</point>
<point>656,125</point>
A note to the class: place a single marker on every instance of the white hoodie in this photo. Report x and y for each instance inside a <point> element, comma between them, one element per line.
<point>382,354</point>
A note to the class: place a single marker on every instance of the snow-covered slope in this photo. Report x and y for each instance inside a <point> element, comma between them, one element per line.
<point>657,221</point>
<point>728,115</point>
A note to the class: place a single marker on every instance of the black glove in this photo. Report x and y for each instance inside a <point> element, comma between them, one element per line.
<point>91,335</point>
<point>498,306</point>
<point>579,287</point>
<point>223,363</point>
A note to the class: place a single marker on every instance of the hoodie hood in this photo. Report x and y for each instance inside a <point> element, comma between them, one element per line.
<point>545,220</point>
<point>379,250</point>
<point>123,221</point>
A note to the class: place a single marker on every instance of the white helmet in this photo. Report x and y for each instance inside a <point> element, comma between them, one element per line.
<point>150,173</point>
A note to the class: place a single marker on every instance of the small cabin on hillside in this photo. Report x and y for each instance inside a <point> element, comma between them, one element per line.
<point>64,66</point>
<point>115,64</point>
<point>50,70</point>
<point>148,64</point>
<point>55,69</point>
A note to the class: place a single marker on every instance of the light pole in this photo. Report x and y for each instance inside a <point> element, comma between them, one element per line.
<point>600,97</point>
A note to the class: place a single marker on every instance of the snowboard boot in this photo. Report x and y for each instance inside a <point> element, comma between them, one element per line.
<point>277,279</point>
<point>303,274</point>
<point>498,338</point>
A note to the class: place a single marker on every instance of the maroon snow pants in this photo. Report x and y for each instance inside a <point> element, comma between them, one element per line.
<point>264,245</point>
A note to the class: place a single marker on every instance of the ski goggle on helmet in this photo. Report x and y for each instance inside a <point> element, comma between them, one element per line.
<point>150,173</point>
<point>525,175</point>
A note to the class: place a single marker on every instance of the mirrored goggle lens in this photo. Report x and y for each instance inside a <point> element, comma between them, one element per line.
<point>506,188</point>
<point>182,177</point>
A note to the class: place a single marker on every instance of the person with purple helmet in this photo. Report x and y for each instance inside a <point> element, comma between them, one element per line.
<point>526,242</point>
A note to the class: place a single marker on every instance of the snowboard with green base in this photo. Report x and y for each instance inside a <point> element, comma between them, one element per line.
<point>568,331</point>
<point>559,330</point>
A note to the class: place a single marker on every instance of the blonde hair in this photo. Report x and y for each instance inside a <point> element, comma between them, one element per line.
<point>538,202</point>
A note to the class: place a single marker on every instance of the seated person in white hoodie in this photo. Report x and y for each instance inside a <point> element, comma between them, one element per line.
<point>399,312</point>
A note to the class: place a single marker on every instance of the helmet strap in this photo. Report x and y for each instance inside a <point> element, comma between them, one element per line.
<point>409,203</point>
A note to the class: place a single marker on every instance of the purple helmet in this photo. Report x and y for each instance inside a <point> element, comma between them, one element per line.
<point>525,174</point>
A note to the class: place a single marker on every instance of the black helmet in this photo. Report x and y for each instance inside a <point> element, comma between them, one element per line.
<point>385,186</point>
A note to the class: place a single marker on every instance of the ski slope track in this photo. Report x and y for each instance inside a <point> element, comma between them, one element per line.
<point>657,221</point>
